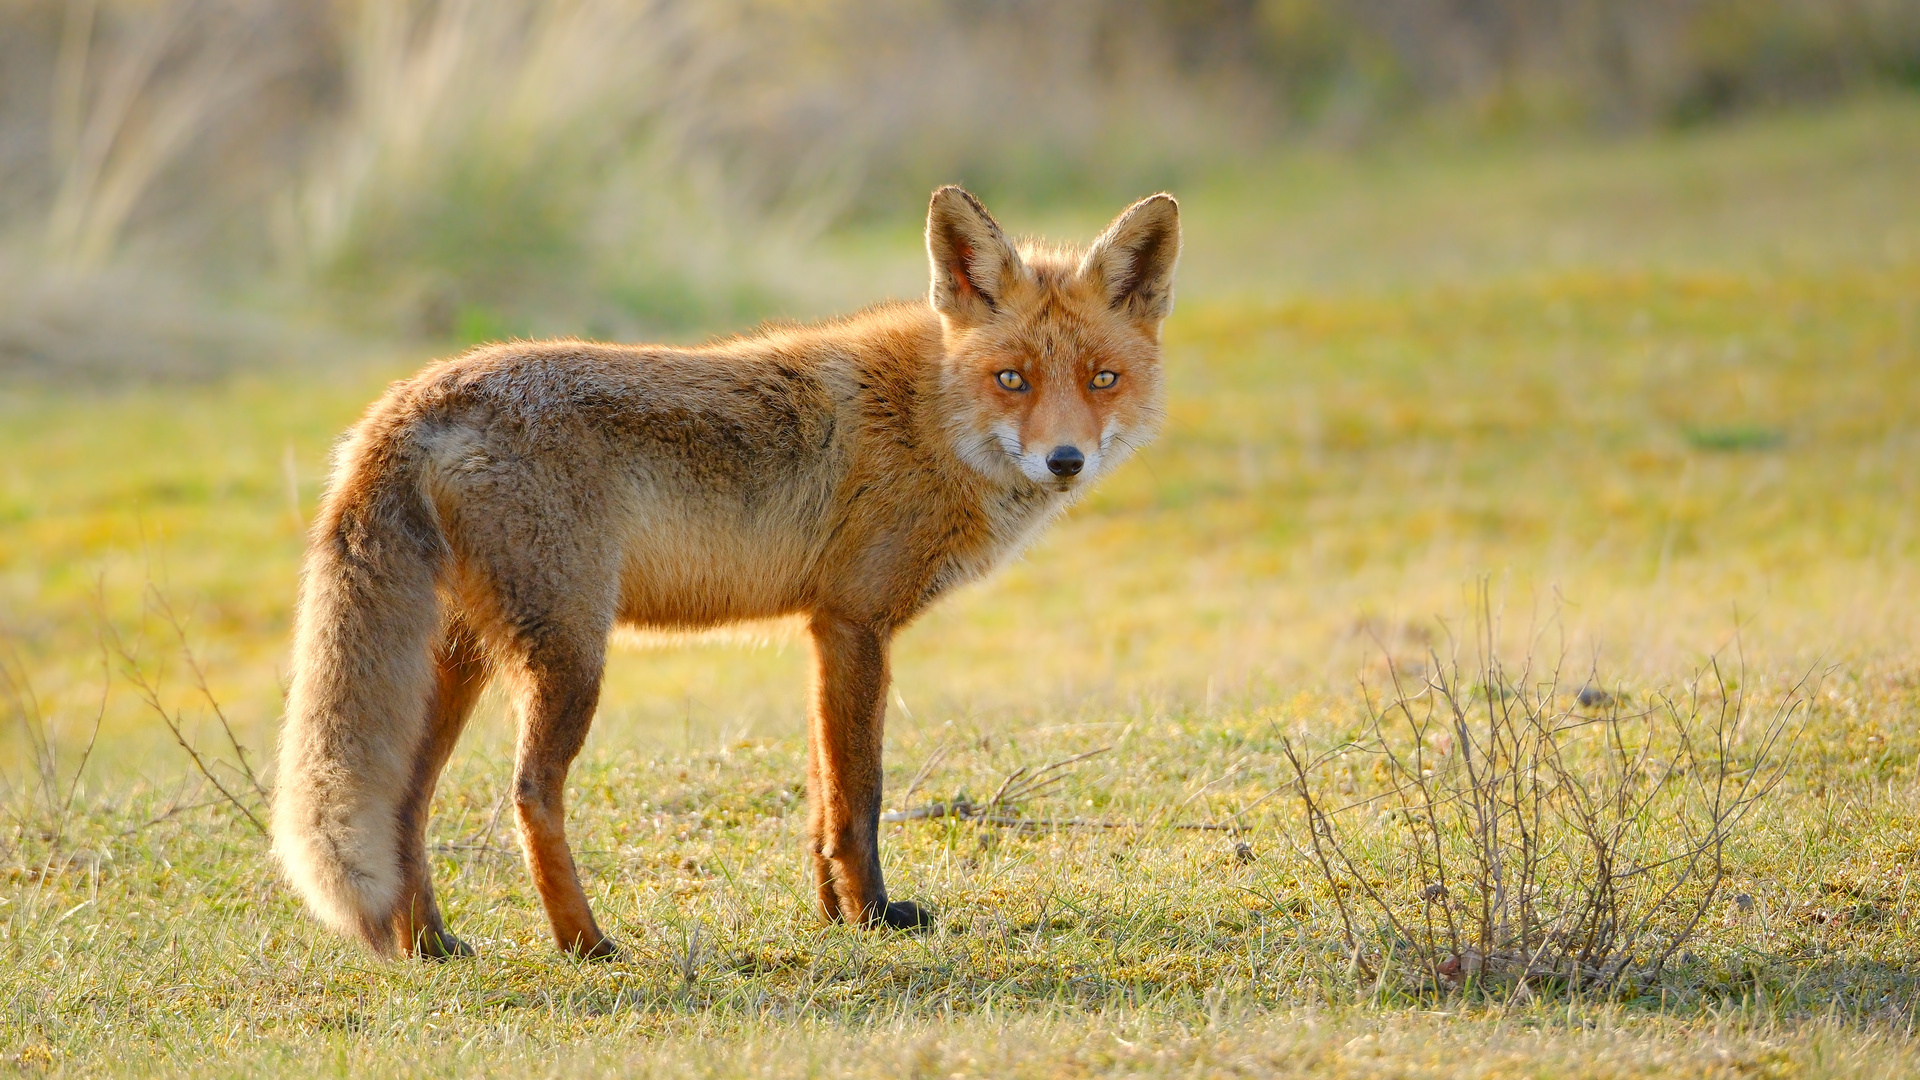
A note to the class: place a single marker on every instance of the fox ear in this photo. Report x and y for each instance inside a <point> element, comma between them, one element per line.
<point>971,259</point>
<point>1133,260</point>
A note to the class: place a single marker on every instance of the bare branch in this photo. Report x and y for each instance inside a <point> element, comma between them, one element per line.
<point>150,696</point>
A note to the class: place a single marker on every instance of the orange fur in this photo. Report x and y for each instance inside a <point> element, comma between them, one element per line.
<point>502,512</point>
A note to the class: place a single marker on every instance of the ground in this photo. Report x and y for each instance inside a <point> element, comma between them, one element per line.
<point>1656,398</point>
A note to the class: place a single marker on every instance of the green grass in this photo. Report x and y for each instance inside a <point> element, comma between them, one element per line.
<point>1692,434</point>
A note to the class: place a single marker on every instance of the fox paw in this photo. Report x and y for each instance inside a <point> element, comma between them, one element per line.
<point>602,951</point>
<point>440,945</point>
<point>906,915</point>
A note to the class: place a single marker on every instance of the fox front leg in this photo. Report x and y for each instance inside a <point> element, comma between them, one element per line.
<point>845,722</point>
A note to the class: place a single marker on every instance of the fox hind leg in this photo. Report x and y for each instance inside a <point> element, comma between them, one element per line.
<point>541,585</point>
<point>461,668</point>
<point>560,688</point>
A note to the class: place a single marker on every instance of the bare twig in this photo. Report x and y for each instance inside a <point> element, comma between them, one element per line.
<point>926,768</point>
<point>149,693</point>
<point>1023,784</point>
<point>966,811</point>
<point>93,735</point>
<point>485,843</point>
<point>169,813</point>
<point>160,603</point>
<point>1319,828</point>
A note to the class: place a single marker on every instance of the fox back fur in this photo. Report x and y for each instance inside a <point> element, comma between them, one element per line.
<point>500,513</point>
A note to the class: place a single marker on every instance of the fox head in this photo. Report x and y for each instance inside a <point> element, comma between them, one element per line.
<point>1052,355</point>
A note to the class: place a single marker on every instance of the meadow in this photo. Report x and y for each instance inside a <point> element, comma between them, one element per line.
<point>1655,398</point>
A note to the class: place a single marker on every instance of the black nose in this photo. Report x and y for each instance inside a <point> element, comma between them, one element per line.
<point>1066,461</point>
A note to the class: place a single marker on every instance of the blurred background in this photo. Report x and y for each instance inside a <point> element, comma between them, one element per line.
<point>185,183</point>
<point>1608,303</point>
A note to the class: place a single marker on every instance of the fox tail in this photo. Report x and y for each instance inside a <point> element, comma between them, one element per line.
<point>362,675</point>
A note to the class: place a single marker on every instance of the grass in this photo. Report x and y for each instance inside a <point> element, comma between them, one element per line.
<point>1691,436</point>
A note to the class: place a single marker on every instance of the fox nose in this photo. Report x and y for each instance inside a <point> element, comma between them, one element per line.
<point>1066,461</point>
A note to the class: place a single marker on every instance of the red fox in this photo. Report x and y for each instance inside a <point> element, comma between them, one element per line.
<point>502,512</point>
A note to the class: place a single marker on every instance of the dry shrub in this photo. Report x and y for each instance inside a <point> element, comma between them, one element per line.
<point>1494,829</point>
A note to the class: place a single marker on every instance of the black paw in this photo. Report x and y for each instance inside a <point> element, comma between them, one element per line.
<point>602,951</point>
<point>440,945</point>
<point>907,915</point>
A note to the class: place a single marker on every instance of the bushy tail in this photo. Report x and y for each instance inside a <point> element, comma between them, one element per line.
<point>362,674</point>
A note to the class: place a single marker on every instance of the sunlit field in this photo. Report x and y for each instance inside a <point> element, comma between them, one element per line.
<point>1656,400</point>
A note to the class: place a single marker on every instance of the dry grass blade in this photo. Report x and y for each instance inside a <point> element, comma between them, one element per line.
<point>689,954</point>
<point>17,690</point>
<point>25,706</point>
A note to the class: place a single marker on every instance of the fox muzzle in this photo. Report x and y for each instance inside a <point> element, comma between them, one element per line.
<point>1066,461</point>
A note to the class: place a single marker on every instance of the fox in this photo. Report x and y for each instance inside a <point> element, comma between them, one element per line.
<point>503,512</point>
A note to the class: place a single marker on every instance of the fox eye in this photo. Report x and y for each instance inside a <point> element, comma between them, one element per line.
<point>1104,380</point>
<point>1011,380</point>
